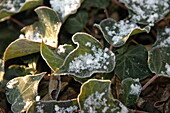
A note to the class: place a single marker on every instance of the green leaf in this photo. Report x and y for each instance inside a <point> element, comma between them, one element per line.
<point>47,28</point>
<point>132,89</point>
<point>20,47</point>
<point>96,3</point>
<point>96,97</point>
<point>87,58</point>
<point>147,11</point>
<point>133,63</point>
<point>22,91</point>
<point>55,57</point>
<point>65,7</point>
<point>76,22</point>
<point>70,106</point>
<point>159,55</point>
<point>117,33</point>
<point>11,7</point>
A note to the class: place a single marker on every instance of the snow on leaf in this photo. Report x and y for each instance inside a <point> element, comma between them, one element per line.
<point>87,58</point>
<point>147,11</point>
<point>70,106</point>
<point>55,57</point>
<point>11,7</point>
<point>22,91</point>
<point>132,89</point>
<point>95,97</point>
<point>133,63</point>
<point>65,7</point>
<point>117,33</point>
<point>159,60</point>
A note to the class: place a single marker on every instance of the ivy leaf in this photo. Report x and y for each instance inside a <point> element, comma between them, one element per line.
<point>133,63</point>
<point>87,58</point>
<point>20,47</point>
<point>70,106</point>
<point>22,91</point>
<point>159,56</point>
<point>147,11</point>
<point>11,7</point>
<point>76,22</point>
<point>65,7</point>
<point>95,97</point>
<point>132,89</point>
<point>117,33</point>
<point>55,57</point>
<point>96,3</point>
<point>47,28</point>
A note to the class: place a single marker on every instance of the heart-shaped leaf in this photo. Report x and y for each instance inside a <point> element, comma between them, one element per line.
<point>159,56</point>
<point>133,63</point>
<point>132,89</point>
<point>65,7</point>
<point>87,58</point>
<point>70,106</point>
<point>21,91</point>
<point>20,47</point>
<point>117,33</point>
<point>147,11</point>
<point>11,7</point>
<point>76,22</point>
<point>55,57</point>
<point>96,97</point>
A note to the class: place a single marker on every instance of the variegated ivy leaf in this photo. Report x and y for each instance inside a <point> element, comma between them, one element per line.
<point>147,11</point>
<point>87,58</point>
<point>21,47</point>
<point>47,28</point>
<point>22,91</point>
<point>96,97</point>
<point>65,7</point>
<point>55,57</point>
<point>117,33</point>
<point>133,63</point>
<point>70,106</point>
<point>132,89</point>
<point>159,56</point>
<point>11,7</point>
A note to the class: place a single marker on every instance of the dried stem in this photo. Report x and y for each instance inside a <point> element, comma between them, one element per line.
<point>149,82</point>
<point>16,21</point>
<point>106,12</point>
<point>118,3</point>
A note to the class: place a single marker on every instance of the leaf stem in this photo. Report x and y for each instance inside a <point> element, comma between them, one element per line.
<point>16,21</point>
<point>106,12</point>
<point>149,82</point>
<point>119,4</point>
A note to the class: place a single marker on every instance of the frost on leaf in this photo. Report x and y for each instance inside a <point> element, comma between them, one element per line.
<point>55,57</point>
<point>96,97</point>
<point>11,7</point>
<point>133,63</point>
<point>117,33</point>
<point>132,89</point>
<point>65,7</point>
<point>159,56</point>
<point>147,11</point>
<point>87,58</point>
<point>70,106</point>
<point>22,91</point>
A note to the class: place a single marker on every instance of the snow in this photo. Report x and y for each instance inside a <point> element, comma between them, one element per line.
<point>120,30</point>
<point>61,49</point>
<point>70,109</point>
<point>11,83</point>
<point>135,89</point>
<point>167,66</point>
<point>65,7</point>
<point>39,108</point>
<point>123,108</point>
<point>98,59</point>
<point>166,41</point>
<point>147,9</point>
<point>88,44</point>
<point>37,98</point>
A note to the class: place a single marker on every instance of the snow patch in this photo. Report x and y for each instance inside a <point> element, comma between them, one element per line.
<point>11,83</point>
<point>61,49</point>
<point>167,66</point>
<point>70,109</point>
<point>135,89</point>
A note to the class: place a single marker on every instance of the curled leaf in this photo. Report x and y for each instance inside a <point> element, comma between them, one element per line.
<point>117,33</point>
<point>87,58</point>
